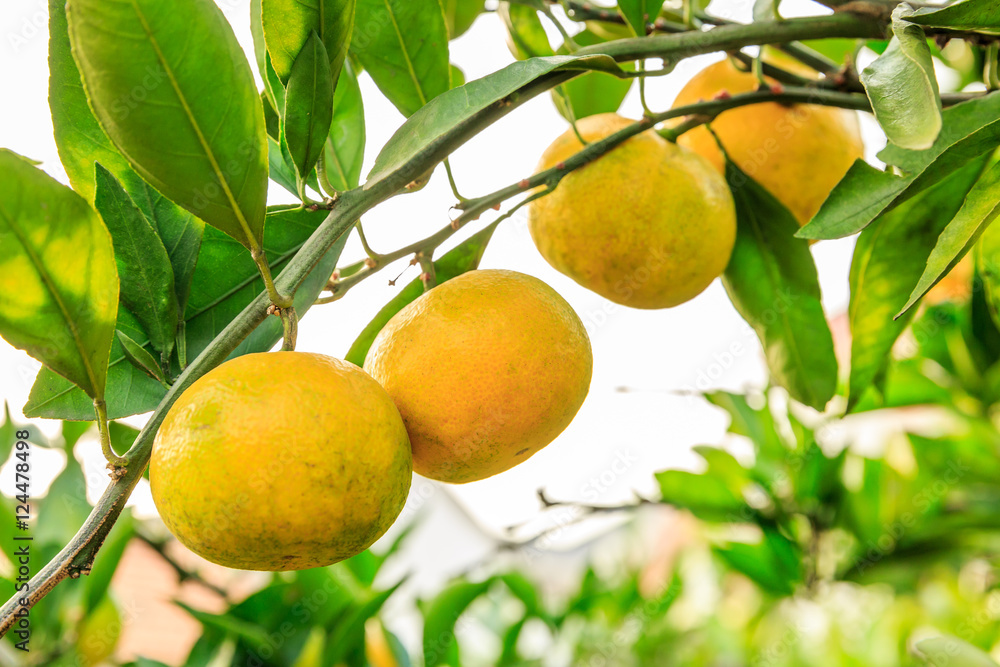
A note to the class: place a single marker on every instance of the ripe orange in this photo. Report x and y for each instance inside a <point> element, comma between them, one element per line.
<point>281,461</point>
<point>647,225</point>
<point>798,152</point>
<point>486,369</point>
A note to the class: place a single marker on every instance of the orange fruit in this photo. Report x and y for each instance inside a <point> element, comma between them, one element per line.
<point>647,225</point>
<point>798,151</point>
<point>281,461</point>
<point>486,369</point>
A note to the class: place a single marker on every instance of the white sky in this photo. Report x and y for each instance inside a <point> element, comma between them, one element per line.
<point>655,352</point>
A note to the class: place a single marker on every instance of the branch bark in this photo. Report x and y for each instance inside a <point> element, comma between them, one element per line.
<point>77,556</point>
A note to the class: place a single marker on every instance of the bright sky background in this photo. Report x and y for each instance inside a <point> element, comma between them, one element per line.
<point>655,353</point>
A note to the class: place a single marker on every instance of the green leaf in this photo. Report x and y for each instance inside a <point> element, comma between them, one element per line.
<point>147,278</point>
<point>179,103</point>
<point>981,207</point>
<point>524,590</point>
<point>766,10</point>
<point>440,616</point>
<point>344,152</point>
<point>969,130</point>
<point>988,265</point>
<point>639,13</point>
<point>756,424</point>
<point>72,432</point>
<point>774,563</point>
<point>225,281</point>
<point>180,232</point>
<point>706,497</point>
<point>308,106</point>
<point>403,45</point>
<point>593,92</point>
<point>7,434</point>
<point>79,138</point>
<point>64,506</point>
<point>952,651</point>
<point>979,15</point>
<point>771,279</point>
<point>129,390</point>
<point>889,258</point>
<point>526,37</point>
<point>58,283</point>
<point>348,637</point>
<point>279,170</point>
<point>248,632</point>
<point>464,257</point>
<point>724,467</point>
<point>424,132</point>
<point>902,87</point>
<point>139,357</point>
<point>287,25</point>
<point>459,15</point>
<point>122,436</point>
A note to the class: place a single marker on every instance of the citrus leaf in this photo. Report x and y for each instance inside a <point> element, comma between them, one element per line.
<point>775,563</point>
<point>526,36</point>
<point>459,15</point>
<point>179,231</point>
<point>287,25</point>
<point>280,171</point>
<point>766,10</point>
<point>988,266</point>
<point>952,652</point>
<point>225,281</point>
<point>425,131</point>
<point>902,87</point>
<point>969,130</point>
<point>129,390</point>
<point>403,45</point>
<point>79,138</point>
<point>981,207</point>
<point>888,259</point>
<point>771,279</point>
<point>139,357</point>
<point>348,637</point>
<point>704,496</point>
<point>639,13</point>
<point>147,279</point>
<point>981,15</point>
<point>344,151</point>
<point>169,84</point>
<point>58,282</point>
<point>440,617</point>
<point>594,92</point>
<point>308,106</point>
<point>81,142</point>
<point>464,257</point>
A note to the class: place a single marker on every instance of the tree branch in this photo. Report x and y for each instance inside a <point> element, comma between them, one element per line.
<point>77,556</point>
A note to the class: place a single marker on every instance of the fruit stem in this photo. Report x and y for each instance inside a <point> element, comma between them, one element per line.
<point>115,462</point>
<point>290,328</point>
<point>451,181</point>
<point>372,255</point>
<point>277,299</point>
<point>427,274</point>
